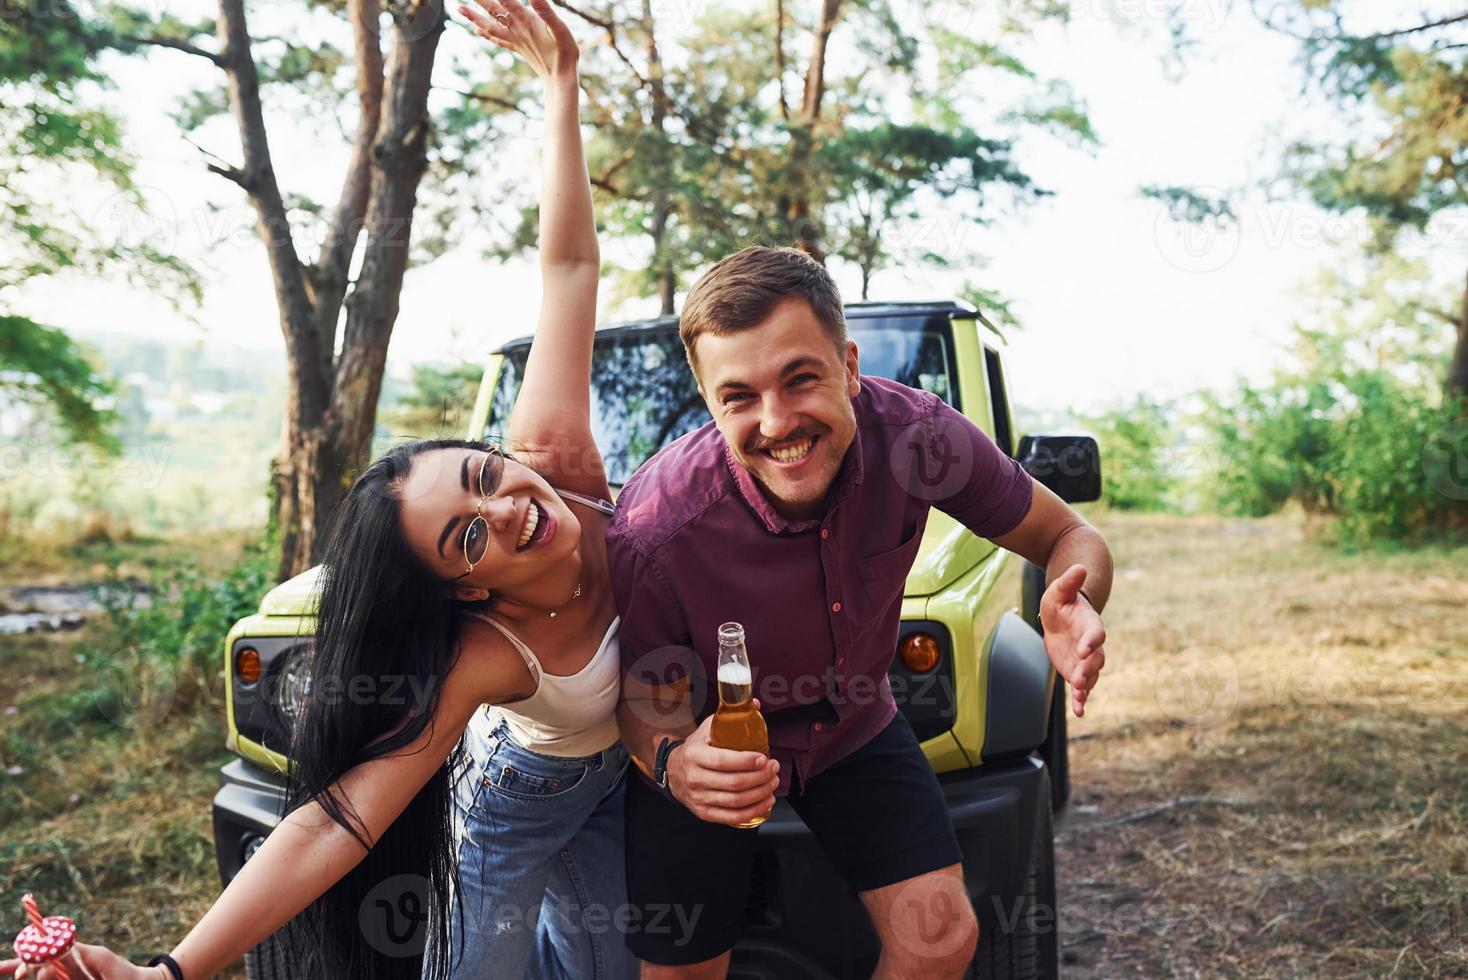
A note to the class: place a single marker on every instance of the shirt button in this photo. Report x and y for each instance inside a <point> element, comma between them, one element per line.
<point>825,534</point>
<point>835,607</point>
<point>840,661</point>
<point>818,726</point>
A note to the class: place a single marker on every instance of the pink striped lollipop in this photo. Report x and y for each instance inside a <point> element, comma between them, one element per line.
<point>45,940</point>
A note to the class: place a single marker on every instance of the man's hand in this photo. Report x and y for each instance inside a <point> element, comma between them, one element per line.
<point>1074,634</point>
<point>541,38</point>
<point>719,785</point>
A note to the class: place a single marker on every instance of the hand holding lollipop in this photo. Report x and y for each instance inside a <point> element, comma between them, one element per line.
<point>47,950</point>
<point>46,940</point>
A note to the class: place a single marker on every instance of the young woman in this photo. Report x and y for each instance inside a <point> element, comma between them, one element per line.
<point>482,579</point>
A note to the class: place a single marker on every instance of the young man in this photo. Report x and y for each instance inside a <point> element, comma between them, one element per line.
<point>796,513</point>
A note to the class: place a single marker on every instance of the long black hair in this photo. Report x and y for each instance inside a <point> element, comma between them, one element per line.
<point>389,625</point>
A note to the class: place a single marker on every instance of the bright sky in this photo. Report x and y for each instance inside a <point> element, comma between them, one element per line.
<point>1115,299</point>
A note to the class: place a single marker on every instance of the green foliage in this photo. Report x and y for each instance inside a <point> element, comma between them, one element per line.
<point>1354,451</point>
<point>45,59</point>
<point>707,140</point>
<point>52,136</point>
<point>1273,446</point>
<point>42,366</point>
<point>1185,204</point>
<point>1058,111</point>
<point>1410,170</point>
<point>1400,95</point>
<point>886,173</point>
<point>996,308</point>
<point>1396,79</point>
<point>1347,428</point>
<point>1134,443</point>
<point>437,404</point>
<point>1377,463</point>
<point>163,640</point>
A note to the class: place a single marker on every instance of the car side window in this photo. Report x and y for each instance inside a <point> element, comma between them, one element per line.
<point>1003,430</point>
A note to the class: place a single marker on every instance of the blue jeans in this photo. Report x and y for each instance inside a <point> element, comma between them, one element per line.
<point>542,878</point>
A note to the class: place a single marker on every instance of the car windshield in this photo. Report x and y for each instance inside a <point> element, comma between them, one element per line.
<point>643,395</point>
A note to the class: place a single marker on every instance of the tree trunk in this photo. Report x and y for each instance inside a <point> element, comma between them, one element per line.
<point>664,274</point>
<point>780,58</point>
<point>310,474</point>
<point>1458,372</point>
<point>815,75</point>
<point>803,226</point>
<point>307,473</point>
<point>329,277</point>
<point>326,441</point>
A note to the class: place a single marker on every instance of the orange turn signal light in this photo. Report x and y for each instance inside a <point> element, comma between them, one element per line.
<point>247,665</point>
<point>920,652</point>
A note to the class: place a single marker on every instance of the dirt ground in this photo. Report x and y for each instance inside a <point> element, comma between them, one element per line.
<point>1271,779</point>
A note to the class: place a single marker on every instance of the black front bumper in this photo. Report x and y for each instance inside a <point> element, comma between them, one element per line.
<point>802,921</point>
<point>246,809</point>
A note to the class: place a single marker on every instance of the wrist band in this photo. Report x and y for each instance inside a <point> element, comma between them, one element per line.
<point>660,768</point>
<point>169,962</point>
<point>1088,598</point>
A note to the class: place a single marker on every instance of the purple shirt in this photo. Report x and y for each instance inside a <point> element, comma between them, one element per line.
<point>695,543</point>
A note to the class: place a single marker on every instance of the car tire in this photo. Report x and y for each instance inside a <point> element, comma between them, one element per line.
<point>1055,750</point>
<point>271,960</point>
<point>1029,950</point>
<point>1032,588</point>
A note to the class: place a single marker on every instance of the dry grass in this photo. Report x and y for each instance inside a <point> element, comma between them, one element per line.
<point>82,556</point>
<point>108,823</point>
<point>1270,780</point>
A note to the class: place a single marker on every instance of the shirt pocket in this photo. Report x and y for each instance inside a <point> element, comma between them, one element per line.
<point>883,576</point>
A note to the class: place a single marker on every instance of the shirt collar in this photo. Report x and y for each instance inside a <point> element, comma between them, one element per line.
<point>848,477</point>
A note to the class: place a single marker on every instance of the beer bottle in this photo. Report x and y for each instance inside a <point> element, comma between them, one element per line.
<point>738,725</point>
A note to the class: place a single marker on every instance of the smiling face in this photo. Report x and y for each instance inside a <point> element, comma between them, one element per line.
<point>526,530</point>
<point>780,392</point>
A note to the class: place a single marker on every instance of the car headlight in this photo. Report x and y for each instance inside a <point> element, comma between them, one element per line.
<point>293,688</point>
<point>270,683</point>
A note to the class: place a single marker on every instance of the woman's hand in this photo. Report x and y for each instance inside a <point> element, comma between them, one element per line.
<point>86,962</point>
<point>541,38</point>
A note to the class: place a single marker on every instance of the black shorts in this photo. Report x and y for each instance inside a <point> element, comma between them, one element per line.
<point>688,880</point>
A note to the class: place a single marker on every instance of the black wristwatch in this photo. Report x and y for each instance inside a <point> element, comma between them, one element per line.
<point>169,962</point>
<point>660,765</point>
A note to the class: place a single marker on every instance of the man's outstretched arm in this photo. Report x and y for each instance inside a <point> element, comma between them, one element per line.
<point>1001,502</point>
<point>1078,571</point>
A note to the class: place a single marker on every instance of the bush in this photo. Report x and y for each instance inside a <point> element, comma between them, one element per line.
<point>1134,444</point>
<point>1358,449</point>
<point>1355,425</point>
<point>1272,446</point>
<point>164,639</point>
<point>1377,471</point>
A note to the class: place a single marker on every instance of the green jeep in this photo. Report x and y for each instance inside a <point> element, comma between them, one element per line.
<point>970,672</point>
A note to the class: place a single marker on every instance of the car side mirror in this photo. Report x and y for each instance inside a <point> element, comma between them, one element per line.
<point>1069,465</point>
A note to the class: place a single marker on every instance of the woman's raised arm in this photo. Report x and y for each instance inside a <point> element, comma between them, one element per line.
<point>552,415</point>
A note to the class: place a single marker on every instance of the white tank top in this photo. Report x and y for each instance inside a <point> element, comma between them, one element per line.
<point>568,715</point>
